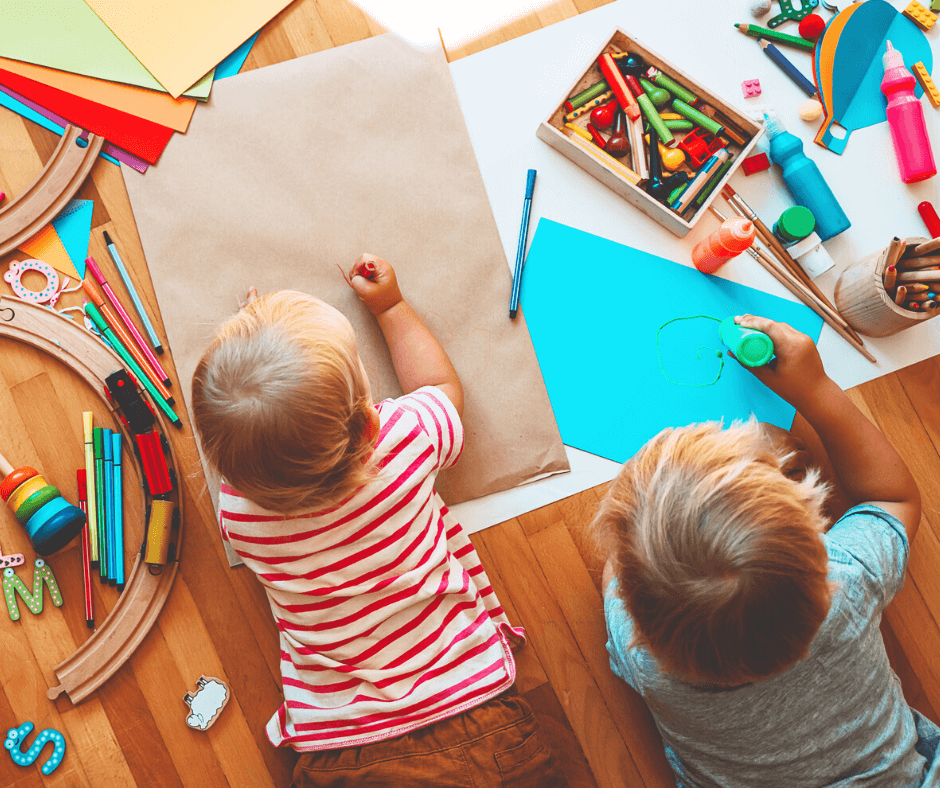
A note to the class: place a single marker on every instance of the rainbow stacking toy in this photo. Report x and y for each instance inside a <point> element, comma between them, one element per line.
<point>50,520</point>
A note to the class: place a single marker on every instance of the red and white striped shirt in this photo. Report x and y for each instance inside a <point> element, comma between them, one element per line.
<point>387,620</point>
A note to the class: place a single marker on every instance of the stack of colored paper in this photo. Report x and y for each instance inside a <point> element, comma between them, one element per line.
<point>95,65</point>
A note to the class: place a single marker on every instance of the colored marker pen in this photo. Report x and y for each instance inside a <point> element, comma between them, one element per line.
<point>117,507</point>
<point>88,424</point>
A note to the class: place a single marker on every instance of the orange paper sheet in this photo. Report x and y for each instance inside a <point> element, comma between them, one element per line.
<point>179,41</point>
<point>47,246</point>
<point>148,104</point>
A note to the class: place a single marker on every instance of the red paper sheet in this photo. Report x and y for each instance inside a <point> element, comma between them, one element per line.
<point>143,138</point>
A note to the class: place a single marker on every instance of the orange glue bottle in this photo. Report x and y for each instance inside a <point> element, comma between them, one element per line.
<point>733,237</point>
<point>906,119</point>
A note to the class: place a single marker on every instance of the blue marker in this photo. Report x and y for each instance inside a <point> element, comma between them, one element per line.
<point>520,250</point>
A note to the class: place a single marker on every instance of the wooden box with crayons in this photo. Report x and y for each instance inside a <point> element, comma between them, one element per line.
<point>629,93</point>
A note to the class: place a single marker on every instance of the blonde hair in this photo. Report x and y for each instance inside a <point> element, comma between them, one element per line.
<point>717,553</point>
<point>282,404</point>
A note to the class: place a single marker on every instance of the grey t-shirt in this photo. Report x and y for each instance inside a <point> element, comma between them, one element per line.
<point>836,718</point>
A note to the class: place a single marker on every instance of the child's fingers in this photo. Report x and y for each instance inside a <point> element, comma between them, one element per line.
<point>367,266</point>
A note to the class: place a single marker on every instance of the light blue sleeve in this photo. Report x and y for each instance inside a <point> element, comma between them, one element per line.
<point>876,544</point>
<point>619,635</point>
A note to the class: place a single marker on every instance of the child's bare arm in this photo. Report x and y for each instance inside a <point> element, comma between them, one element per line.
<point>867,464</point>
<point>418,357</point>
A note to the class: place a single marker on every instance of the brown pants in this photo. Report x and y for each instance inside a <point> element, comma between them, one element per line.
<point>494,744</point>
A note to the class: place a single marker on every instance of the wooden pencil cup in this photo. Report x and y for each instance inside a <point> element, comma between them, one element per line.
<point>865,304</point>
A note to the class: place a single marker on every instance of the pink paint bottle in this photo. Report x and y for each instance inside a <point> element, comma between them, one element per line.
<point>906,119</point>
<point>733,237</point>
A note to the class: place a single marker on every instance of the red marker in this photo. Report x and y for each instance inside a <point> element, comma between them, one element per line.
<point>929,215</point>
<point>368,270</point>
<point>86,551</point>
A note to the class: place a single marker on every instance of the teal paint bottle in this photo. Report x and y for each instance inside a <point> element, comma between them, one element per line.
<point>804,180</point>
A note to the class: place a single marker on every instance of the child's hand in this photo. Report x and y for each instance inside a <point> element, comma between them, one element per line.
<point>796,372</point>
<point>374,281</point>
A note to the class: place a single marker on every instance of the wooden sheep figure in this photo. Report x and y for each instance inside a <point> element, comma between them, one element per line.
<point>206,702</point>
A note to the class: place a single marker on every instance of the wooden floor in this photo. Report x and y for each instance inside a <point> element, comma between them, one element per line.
<point>132,731</point>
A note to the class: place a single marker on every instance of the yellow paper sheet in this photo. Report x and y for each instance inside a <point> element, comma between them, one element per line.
<point>158,107</point>
<point>180,40</point>
<point>46,246</point>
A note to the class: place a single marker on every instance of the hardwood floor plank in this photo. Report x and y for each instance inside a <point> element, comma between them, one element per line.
<point>551,637</point>
<point>559,737</point>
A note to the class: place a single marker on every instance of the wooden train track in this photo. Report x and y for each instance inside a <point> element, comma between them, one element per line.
<point>46,196</point>
<point>144,595</point>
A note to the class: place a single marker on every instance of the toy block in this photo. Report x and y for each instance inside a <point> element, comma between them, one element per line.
<point>756,163</point>
<point>919,15</point>
<point>930,89</point>
<point>698,145</point>
<point>751,87</point>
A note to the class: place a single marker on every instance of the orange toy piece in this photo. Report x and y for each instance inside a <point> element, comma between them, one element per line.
<point>14,479</point>
<point>923,17</point>
<point>930,89</point>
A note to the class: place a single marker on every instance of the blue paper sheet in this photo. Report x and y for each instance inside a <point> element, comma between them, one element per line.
<point>594,307</point>
<point>73,227</point>
<point>233,63</point>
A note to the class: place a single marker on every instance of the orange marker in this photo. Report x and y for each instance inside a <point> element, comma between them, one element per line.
<point>115,325</point>
<point>618,85</point>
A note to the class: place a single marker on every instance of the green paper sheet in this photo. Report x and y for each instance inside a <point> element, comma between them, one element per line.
<point>69,36</point>
<point>594,307</point>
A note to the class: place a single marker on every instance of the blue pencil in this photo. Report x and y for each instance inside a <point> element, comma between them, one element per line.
<point>788,68</point>
<point>520,250</point>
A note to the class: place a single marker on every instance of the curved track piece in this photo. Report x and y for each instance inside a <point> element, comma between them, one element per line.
<point>144,595</point>
<point>46,196</point>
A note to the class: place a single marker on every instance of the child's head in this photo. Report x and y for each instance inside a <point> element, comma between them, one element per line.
<point>283,406</point>
<point>717,553</point>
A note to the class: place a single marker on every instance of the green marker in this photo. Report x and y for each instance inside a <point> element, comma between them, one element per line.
<point>92,311</point>
<point>751,347</point>
<point>710,186</point>
<point>646,106</point>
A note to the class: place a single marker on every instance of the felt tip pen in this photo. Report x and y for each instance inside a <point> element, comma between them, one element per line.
<point>107,446</point>
<point>92,311</point>
<point>80,478</point>
<point>88,425</point>
<point>698,183</point>
<point>520,249</point>
<point>117,508</point>
<point>129,284</point>
<point>92,266</point>
<point>101,502</point>
<point>367,270</point>
<point>122,336</point>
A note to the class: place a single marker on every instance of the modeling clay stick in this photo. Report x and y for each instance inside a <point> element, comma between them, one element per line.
<point>677,90</point>
<point>595,102</point>
<point>617,84</point>
<point>646,105</point>
<point>585,96</point>
<point>690,113</point>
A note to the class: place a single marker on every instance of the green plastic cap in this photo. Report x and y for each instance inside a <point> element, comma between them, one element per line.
<point>754,350</point>
<point>796,223</point>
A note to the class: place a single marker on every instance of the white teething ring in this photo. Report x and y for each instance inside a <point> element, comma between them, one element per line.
<point>15,274</point>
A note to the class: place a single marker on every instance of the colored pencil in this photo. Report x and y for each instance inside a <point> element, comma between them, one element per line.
<point>117,505</point>
<point>900,295</point>
<point>92,266</point>
<point>81,477</point>
<point>756,31</point>
<point>88,425</point>
<point>129,284</point>
<point>788,68</point>
<point>928,277</point>
<point>890,277</point>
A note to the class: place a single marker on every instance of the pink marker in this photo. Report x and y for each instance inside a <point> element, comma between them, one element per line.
<point>144,347</point>
<point>906,119</point>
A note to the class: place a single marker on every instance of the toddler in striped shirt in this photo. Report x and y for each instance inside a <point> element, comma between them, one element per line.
<point>395,652</point>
